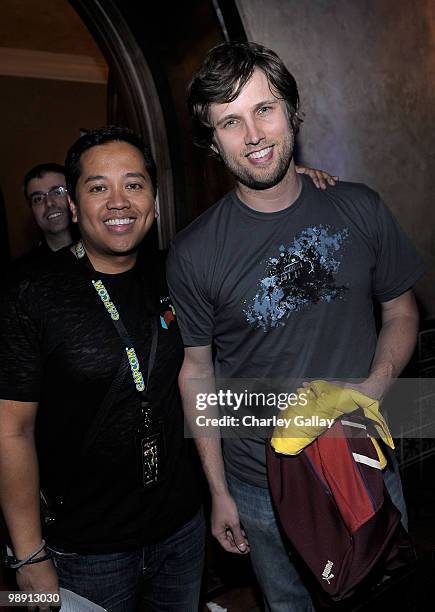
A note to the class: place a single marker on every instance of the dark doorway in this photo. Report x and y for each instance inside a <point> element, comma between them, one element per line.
<point>152,50</point>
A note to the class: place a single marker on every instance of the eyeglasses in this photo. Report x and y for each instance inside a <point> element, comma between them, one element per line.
<point>57,194</point>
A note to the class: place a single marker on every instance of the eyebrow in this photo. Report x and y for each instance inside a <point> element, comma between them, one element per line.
<point>269,102</point>
<point>99,177</point>
<point>136,175</point>
<point>95,177</point>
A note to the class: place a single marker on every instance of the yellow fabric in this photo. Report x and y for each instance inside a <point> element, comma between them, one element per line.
<point>381,456</point>
<point>325,401</point>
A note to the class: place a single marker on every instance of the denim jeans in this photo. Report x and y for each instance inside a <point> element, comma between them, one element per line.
<point>161,577</point>
<point>283,589</point>
<point>393,484</point>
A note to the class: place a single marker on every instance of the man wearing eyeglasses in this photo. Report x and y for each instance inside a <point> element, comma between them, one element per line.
<point>46,194</point>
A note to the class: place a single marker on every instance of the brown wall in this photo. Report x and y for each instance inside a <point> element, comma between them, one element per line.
<point>40,119</point>
<point>366,75</point>
<point>52,25</point>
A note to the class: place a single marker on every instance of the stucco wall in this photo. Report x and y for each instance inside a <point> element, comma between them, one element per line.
<point>366,74</point>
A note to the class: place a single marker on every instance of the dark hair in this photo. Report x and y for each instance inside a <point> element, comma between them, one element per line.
<point>100,136</point>
<point>39,171</point>
<point>225,71</point>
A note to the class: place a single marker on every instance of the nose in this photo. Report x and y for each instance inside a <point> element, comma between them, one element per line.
<point>253,132</point>
<point>118,199</point>
<point>49,200</point>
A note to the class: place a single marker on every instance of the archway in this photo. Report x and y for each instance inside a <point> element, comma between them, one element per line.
<point>132,97</point>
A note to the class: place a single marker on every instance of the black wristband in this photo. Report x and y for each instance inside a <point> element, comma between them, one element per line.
<point>38,559</point>
<point>15,563</point>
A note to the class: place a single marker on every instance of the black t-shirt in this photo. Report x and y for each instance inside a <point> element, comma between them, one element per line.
<point>59,347</point>
<point>288,295</point>
<point>30,260</point>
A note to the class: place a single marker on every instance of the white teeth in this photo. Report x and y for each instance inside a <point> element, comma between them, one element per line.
<point>54,215</point>
<point>260,154</point>
<point>125,221</point>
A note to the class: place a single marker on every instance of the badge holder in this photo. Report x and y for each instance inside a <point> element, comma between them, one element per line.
<point>150,445</point>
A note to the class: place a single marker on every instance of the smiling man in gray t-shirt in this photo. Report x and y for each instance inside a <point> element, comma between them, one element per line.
<point>280,278</point>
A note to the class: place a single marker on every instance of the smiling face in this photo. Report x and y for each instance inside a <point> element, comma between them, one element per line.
<point>114,204</point>
<point>253,135</point>
<point>50,211</point>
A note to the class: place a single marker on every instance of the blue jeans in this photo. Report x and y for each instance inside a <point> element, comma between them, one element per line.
<point>161,577</point>
<point>393,484</point>
<point>283,589</point>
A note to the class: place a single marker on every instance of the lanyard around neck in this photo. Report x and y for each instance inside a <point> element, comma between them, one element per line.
<point>138,379</point>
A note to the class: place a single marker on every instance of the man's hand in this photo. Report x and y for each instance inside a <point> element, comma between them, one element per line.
<point>320,178</point>
<point>373,387</point>
<point>225,525</point>
<point>38,578</point>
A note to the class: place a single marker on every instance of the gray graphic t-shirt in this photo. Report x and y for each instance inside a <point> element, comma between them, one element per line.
<point>289,294</point>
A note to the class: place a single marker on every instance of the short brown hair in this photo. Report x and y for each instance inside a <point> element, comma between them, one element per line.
<point>225,71</point>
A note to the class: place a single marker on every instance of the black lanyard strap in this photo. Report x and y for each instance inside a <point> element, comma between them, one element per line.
<point>80,253</point>
<point>133,360</point>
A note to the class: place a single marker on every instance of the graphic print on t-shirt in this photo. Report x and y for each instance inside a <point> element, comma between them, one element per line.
<point>302,274</point>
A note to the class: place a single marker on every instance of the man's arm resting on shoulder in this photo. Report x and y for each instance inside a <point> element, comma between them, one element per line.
<point>396,343</point>
<point>225,523</point>
<point>19,493</point>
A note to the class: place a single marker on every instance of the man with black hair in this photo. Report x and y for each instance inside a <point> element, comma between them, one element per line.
<point>90,407</point>
<point>45,192</point>
<point>279,278</point>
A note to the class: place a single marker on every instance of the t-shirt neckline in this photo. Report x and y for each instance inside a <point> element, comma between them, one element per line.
<point>272,216</point>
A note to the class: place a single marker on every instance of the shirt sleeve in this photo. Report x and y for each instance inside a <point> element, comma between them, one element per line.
<point>398,264</point>
<point>193,307</point>
<point>20,349</point>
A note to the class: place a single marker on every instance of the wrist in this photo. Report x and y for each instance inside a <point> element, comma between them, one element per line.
<point>24,544</point>
<point>42,553</point>
<point>217,494</point>
<point>384,371</point>
<point>218,490</point>
<point>39,561</point>
<point>377,384</point>
<point>37,555</point>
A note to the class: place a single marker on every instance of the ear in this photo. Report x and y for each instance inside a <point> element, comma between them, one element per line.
<point>214,148</point>
<point>73,208</point>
